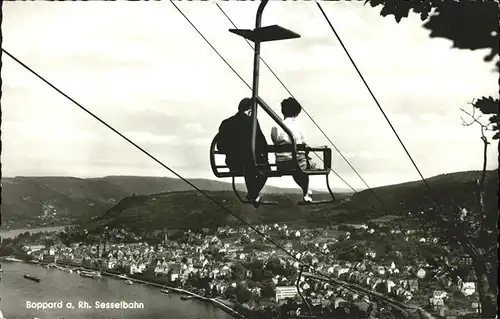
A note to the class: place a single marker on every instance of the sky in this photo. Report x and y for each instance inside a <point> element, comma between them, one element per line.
<point>141,67</point>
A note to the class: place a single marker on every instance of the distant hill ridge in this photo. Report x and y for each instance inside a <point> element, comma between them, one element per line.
<point>191,210</point>
<point>169,202</point>
<point>176,184</point>
<point>26,198</point>
<point>143,184</point>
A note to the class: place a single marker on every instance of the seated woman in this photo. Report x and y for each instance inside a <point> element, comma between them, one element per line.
<point>290,109</point>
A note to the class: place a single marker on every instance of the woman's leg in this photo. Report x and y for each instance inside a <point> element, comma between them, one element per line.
<point>300,177</point>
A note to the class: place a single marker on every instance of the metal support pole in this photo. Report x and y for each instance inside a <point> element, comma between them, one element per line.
<point>298,289</point>
<point>255,82</point>
<point>278,121</point>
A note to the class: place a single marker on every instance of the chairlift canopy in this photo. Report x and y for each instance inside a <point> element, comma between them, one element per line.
<point>266,34</point>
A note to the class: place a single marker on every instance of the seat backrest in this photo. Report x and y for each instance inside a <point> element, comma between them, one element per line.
<point>214,147</point>
<point>284,148</point>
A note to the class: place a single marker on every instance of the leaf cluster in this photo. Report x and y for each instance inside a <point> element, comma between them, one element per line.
<point>471,25</point>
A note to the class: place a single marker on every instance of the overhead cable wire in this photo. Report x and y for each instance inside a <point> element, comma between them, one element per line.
<point>371,93</point>
<point>346,285</point>
<point>225,61</point>
<point>285,87</point>
<point>388,121</point>
<point>162,164</point>
<point>208,42</point>
<point>443,221</point>
<point>148,154</point>
<point>307,113</point>
<point>239,76</point>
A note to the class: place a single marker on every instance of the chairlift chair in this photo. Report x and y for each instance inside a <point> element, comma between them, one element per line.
<point>258,35</point>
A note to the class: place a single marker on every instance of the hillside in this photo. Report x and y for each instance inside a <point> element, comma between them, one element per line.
<point>152,185</point>
<point>38,201</point>
<point>190,210</point>
<point>448,190</point>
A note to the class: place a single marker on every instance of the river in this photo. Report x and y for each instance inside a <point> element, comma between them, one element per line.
<point>11,233</point>
<point>57,285</point>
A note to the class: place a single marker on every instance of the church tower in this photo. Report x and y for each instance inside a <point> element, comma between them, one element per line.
<point>165,237</point>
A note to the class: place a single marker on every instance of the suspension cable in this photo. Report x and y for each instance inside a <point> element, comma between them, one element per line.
<point>307,113</point>
<point>241,78</point>
<point>148,154</point>
<point>346,285</point>
<point>208,42</point>
<point>441,220</point>
<point>371,93</point>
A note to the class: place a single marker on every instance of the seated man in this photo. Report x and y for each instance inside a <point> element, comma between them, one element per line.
<point>235,140</point>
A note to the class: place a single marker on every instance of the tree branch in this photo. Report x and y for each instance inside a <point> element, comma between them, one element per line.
<point>484,127</point>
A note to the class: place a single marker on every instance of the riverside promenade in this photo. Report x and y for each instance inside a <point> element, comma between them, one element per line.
<point>193,295</point>
<point>181,291</point>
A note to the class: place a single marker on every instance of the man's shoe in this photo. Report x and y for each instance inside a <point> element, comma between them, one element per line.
<point>255,201</point>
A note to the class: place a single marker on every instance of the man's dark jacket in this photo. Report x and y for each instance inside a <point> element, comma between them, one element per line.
<point>235,139</point>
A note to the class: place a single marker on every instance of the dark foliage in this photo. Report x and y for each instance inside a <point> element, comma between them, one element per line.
<point>489,106</point>
<point>471,25</point>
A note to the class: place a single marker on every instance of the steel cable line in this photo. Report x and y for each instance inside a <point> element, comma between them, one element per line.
<point>460,234</point>
<point>346,285</point>
<point>208,42</point>
<point>154,158</point>
<point>284,86</point>
<point>148,154</point>
<point>239,76</point>
<point>371,93</point>
<point>167,167</point>
<point>308,115</point>
<point>442,221</point>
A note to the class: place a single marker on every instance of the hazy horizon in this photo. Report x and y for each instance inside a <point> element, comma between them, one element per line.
<point>239,181</point>
<point>155,80</point>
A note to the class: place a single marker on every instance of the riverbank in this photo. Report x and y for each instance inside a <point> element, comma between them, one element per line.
<point>181,291</point>
<point>13,232</point>
<point>10,258</point>
<point>214,301</point>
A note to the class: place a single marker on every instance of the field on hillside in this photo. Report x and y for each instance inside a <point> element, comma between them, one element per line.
<point>154,203</point>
